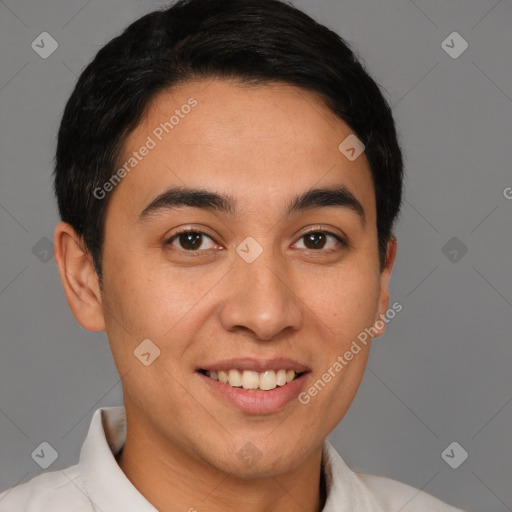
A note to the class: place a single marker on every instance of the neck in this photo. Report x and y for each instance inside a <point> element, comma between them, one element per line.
<point>170,479</point>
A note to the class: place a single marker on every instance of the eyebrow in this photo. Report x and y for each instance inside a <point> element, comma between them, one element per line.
<point>177,197</point>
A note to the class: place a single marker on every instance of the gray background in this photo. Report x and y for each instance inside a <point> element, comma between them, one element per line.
<point>441,373</point>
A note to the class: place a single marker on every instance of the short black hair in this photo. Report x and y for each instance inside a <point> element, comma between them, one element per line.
<point>251,41</point>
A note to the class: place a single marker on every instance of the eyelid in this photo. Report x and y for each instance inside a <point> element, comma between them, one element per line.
<point>340,238</point>
<point>190,229</point>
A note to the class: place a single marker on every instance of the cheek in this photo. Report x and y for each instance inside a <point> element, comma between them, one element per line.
<point>347,307</point>
<point>153,299</point>
<point>345,299</point>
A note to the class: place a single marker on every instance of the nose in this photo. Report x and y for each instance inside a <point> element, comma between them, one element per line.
<point>262,300</point>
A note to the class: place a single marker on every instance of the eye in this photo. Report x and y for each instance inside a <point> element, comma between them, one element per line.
<point>190,240</point>
<point>193,240</point>
<point>318,239</point>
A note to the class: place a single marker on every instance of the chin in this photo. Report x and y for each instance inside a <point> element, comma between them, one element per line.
<point>262,458</point>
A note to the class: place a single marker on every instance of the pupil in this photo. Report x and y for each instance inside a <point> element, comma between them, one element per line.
<point>320,237</point>
<point>190,239</point>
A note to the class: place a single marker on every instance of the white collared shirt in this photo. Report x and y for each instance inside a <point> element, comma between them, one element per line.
<point>97,483</point>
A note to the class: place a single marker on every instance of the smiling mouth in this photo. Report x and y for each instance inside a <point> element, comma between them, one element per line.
<point>251,380</point>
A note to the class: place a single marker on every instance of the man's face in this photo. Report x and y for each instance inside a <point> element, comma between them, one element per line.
<point>207,298</point>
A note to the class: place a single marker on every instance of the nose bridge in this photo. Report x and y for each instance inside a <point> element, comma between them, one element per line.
<point>261,297</point>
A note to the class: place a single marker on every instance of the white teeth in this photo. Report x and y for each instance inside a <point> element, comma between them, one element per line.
<point>248,379</point>
<point>235,378</point>
<point>268,380</point>
<point>281,377</point>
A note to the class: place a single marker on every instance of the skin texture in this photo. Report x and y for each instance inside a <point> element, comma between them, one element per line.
<point>262,145</point>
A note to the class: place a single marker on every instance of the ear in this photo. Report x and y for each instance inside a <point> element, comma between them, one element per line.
<point>379,324</point>
<point>79,278</point>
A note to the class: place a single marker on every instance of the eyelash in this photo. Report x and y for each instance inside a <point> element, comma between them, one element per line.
<point>339,239</point>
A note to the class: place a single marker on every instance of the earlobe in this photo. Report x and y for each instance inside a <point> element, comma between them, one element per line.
<point>79,278</point>
<point>383,306</point>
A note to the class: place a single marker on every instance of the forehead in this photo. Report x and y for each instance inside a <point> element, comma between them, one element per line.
<point>260,143</point>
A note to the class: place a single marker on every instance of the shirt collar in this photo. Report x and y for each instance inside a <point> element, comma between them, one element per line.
<point>107,486</point>
<point>109,489</point>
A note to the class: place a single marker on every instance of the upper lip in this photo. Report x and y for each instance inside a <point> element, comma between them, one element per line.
<point>256,365</point>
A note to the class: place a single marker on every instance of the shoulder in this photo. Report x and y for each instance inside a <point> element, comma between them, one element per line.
<point>58,491</point>
<point>394,495</point>
<point>373,493</point>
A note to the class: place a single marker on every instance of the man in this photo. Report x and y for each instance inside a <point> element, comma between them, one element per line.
<point>228,177</point>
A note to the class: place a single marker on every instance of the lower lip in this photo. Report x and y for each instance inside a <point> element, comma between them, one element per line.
<point>256,402</point>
